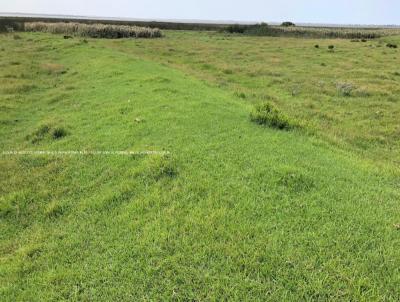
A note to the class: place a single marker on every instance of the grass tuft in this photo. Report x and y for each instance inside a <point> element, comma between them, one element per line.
<point>59,133</point>
<point>391,45</point>
<point>344,89</point>
<point>54,209</point>
<point>268,115</point>
<point>160,167</point>
<point>46,131</point>
<point>296,181</point>
<point>6,207</point>
<point>39,134</point>
<point>240,95</point>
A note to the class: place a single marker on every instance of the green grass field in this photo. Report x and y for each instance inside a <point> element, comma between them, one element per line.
<point>235,211</point>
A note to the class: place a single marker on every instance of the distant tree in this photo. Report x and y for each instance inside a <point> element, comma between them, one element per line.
<point>288,24</point>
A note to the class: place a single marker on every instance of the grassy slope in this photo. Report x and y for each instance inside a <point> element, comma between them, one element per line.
<point>301,79</point>
<point>236,212</point>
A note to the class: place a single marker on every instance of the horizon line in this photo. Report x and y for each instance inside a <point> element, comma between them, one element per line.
<point>191,21</point>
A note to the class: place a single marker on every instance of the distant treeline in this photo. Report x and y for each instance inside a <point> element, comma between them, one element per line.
<point>287,29</point>
<point>310,32</point>
<point>10,24</point>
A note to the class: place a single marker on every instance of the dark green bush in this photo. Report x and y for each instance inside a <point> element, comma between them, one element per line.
<point>331,47</point>
<point>241,95</point>
<point>267,114</point>
<point>316,46</point>
<point>288,24</point>
<point>237,29</point>
<point>390,45</point>
<point>59,132</point>
<point>10,26</point>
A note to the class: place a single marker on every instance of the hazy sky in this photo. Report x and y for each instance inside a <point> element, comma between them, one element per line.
<point>320,11</point>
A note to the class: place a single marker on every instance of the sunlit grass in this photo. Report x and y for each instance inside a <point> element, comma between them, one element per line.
<point>235,211</point>
<point>349,95</point>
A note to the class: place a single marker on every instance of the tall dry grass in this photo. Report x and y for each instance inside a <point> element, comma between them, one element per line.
<point>94,30</point>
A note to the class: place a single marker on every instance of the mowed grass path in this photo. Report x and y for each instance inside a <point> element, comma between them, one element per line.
<point>235,212</point>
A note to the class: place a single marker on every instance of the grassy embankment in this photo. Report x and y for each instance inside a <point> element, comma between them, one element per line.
<point>237,211</point>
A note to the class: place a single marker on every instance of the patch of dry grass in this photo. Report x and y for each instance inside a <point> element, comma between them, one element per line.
<point>53,68</point>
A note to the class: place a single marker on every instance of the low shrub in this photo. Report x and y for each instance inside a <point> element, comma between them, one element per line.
<point>355,40</point>
<point>59,132</point>
<point>94,30</point>
<point>267,114</point>
<point>364,40</point>
<point>331,47</point>
<point>344,89</point>
<point>241,95</point>
<point>316,46</point>
<point>46,131</point>
<point>390,45</point>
